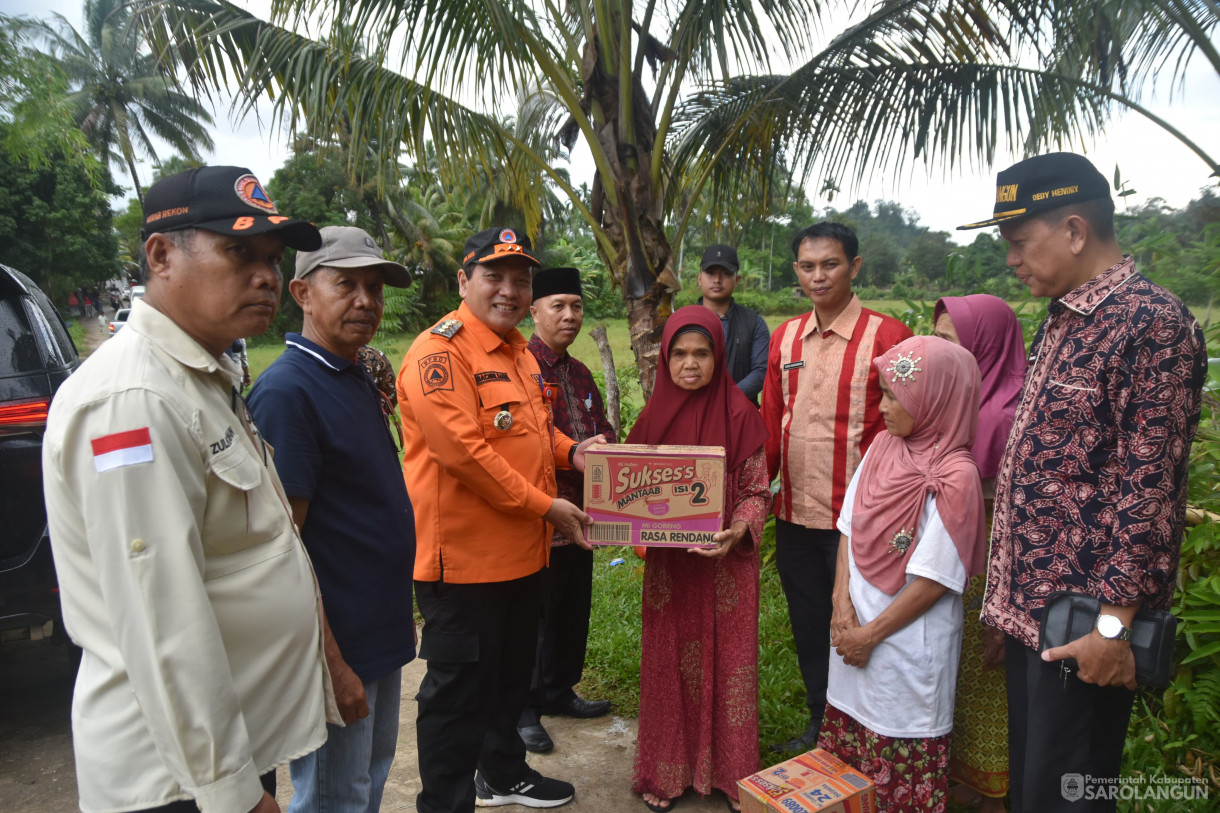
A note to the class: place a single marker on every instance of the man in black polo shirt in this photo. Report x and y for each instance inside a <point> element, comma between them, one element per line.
<point>746,338</point>
<point>338,461</point>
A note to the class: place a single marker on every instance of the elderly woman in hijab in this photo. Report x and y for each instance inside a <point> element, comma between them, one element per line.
<point>986,326</point>
<point>699,665</point>
<point>912,525</point>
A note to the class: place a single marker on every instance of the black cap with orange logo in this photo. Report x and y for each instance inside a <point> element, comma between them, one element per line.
<point>225,200</point>
<point>491,245</point>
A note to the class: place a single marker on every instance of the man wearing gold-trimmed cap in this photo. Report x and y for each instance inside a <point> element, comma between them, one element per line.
<point>479,462</point>
<point>193,600</point>
<point>1090,496</point>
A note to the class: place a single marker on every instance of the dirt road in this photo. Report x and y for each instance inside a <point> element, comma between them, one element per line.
<point>37,774</point>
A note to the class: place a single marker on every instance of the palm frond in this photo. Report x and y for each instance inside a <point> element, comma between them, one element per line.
<point>482,48</point>
<point>1119,44</point>
<point>117,92</point>
<point>851,121</point>
<point>321,89</point>
<point>913,82</point>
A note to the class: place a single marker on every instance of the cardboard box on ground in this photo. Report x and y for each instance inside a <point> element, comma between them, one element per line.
<point>814,781</point>
<point>656,496</point>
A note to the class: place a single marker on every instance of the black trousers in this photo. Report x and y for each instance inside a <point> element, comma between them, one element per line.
<point>186,806</point>
<point>1059,733</point>
<point>563,632</point>
<point>805,559</point>
<point>479,641</point>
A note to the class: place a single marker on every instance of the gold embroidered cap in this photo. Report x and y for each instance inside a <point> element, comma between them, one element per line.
<point>1042,183</point>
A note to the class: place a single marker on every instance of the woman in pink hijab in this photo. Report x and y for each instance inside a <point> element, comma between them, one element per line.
<point>912,535</point>
<point>986,326</point>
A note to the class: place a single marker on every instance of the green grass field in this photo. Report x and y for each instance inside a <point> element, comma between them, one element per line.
<point>612,664</point>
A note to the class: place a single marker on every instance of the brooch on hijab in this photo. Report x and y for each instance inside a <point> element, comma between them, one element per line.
<point>901,543</point>
<point>904,367</point>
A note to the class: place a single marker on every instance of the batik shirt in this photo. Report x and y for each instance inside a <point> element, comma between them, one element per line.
<point>1091,492</point>
<point>381,371</point>
<point>579,414</point>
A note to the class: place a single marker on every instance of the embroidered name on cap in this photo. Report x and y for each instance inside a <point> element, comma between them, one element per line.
<point>1057,193</point>
<point>177,210</point>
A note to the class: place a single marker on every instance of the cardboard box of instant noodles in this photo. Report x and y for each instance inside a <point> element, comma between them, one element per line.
<point>817,780</point>
<point>658,496</point>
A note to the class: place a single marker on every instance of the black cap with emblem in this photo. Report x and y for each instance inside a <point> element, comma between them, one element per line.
<point>225,200</point>
<point>718,254</point>
<point>494,244</point>
<point>1042,183</point>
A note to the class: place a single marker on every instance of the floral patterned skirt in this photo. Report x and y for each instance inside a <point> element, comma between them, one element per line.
<point>910,774</point>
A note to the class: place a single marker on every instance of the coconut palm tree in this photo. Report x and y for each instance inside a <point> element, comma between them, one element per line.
<point>670,97</point>
<point>118,95</point>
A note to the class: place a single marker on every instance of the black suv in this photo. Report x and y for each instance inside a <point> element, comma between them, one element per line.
<point>36,355</point>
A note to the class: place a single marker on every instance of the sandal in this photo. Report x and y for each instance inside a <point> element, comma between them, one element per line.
<point>670,804</point>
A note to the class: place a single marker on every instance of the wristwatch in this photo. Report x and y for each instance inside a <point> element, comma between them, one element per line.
<point>1111,626</point>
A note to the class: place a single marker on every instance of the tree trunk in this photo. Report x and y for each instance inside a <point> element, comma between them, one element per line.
<point>135,178</point>
<point>632,216</point>
<point>613,403</point>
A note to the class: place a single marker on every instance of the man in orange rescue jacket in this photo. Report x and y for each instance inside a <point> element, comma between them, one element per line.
<point>480,461</point>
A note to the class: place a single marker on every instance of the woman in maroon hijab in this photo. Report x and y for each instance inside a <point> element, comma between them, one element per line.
<point>699,666</point>
<point>986,326</point>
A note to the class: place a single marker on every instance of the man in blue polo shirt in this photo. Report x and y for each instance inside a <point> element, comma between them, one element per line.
<point>338,461</point>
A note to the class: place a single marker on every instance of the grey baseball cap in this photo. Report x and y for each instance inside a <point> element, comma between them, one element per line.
<point>350,247</point>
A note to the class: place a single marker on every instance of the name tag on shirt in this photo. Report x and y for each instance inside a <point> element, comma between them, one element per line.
<point>794,365</point>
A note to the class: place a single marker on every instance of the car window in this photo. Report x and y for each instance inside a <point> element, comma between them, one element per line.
<point>54,354</point>
<point>18,347</point>
<point>62,349</point>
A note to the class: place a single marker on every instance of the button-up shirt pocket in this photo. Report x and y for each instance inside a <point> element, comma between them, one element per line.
<point>499,397</point>
<point>242,511</point>
<point>1082,403</point>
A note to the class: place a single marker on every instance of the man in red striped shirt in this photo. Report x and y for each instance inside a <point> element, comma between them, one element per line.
<point>820,403</point>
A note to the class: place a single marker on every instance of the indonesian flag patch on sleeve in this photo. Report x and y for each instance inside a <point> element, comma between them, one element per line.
<point>122,449</point>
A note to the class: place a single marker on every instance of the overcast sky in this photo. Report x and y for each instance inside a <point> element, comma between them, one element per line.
<point>1153,163</point>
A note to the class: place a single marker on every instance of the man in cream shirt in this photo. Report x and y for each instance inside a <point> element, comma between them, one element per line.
<point>181,575</point>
